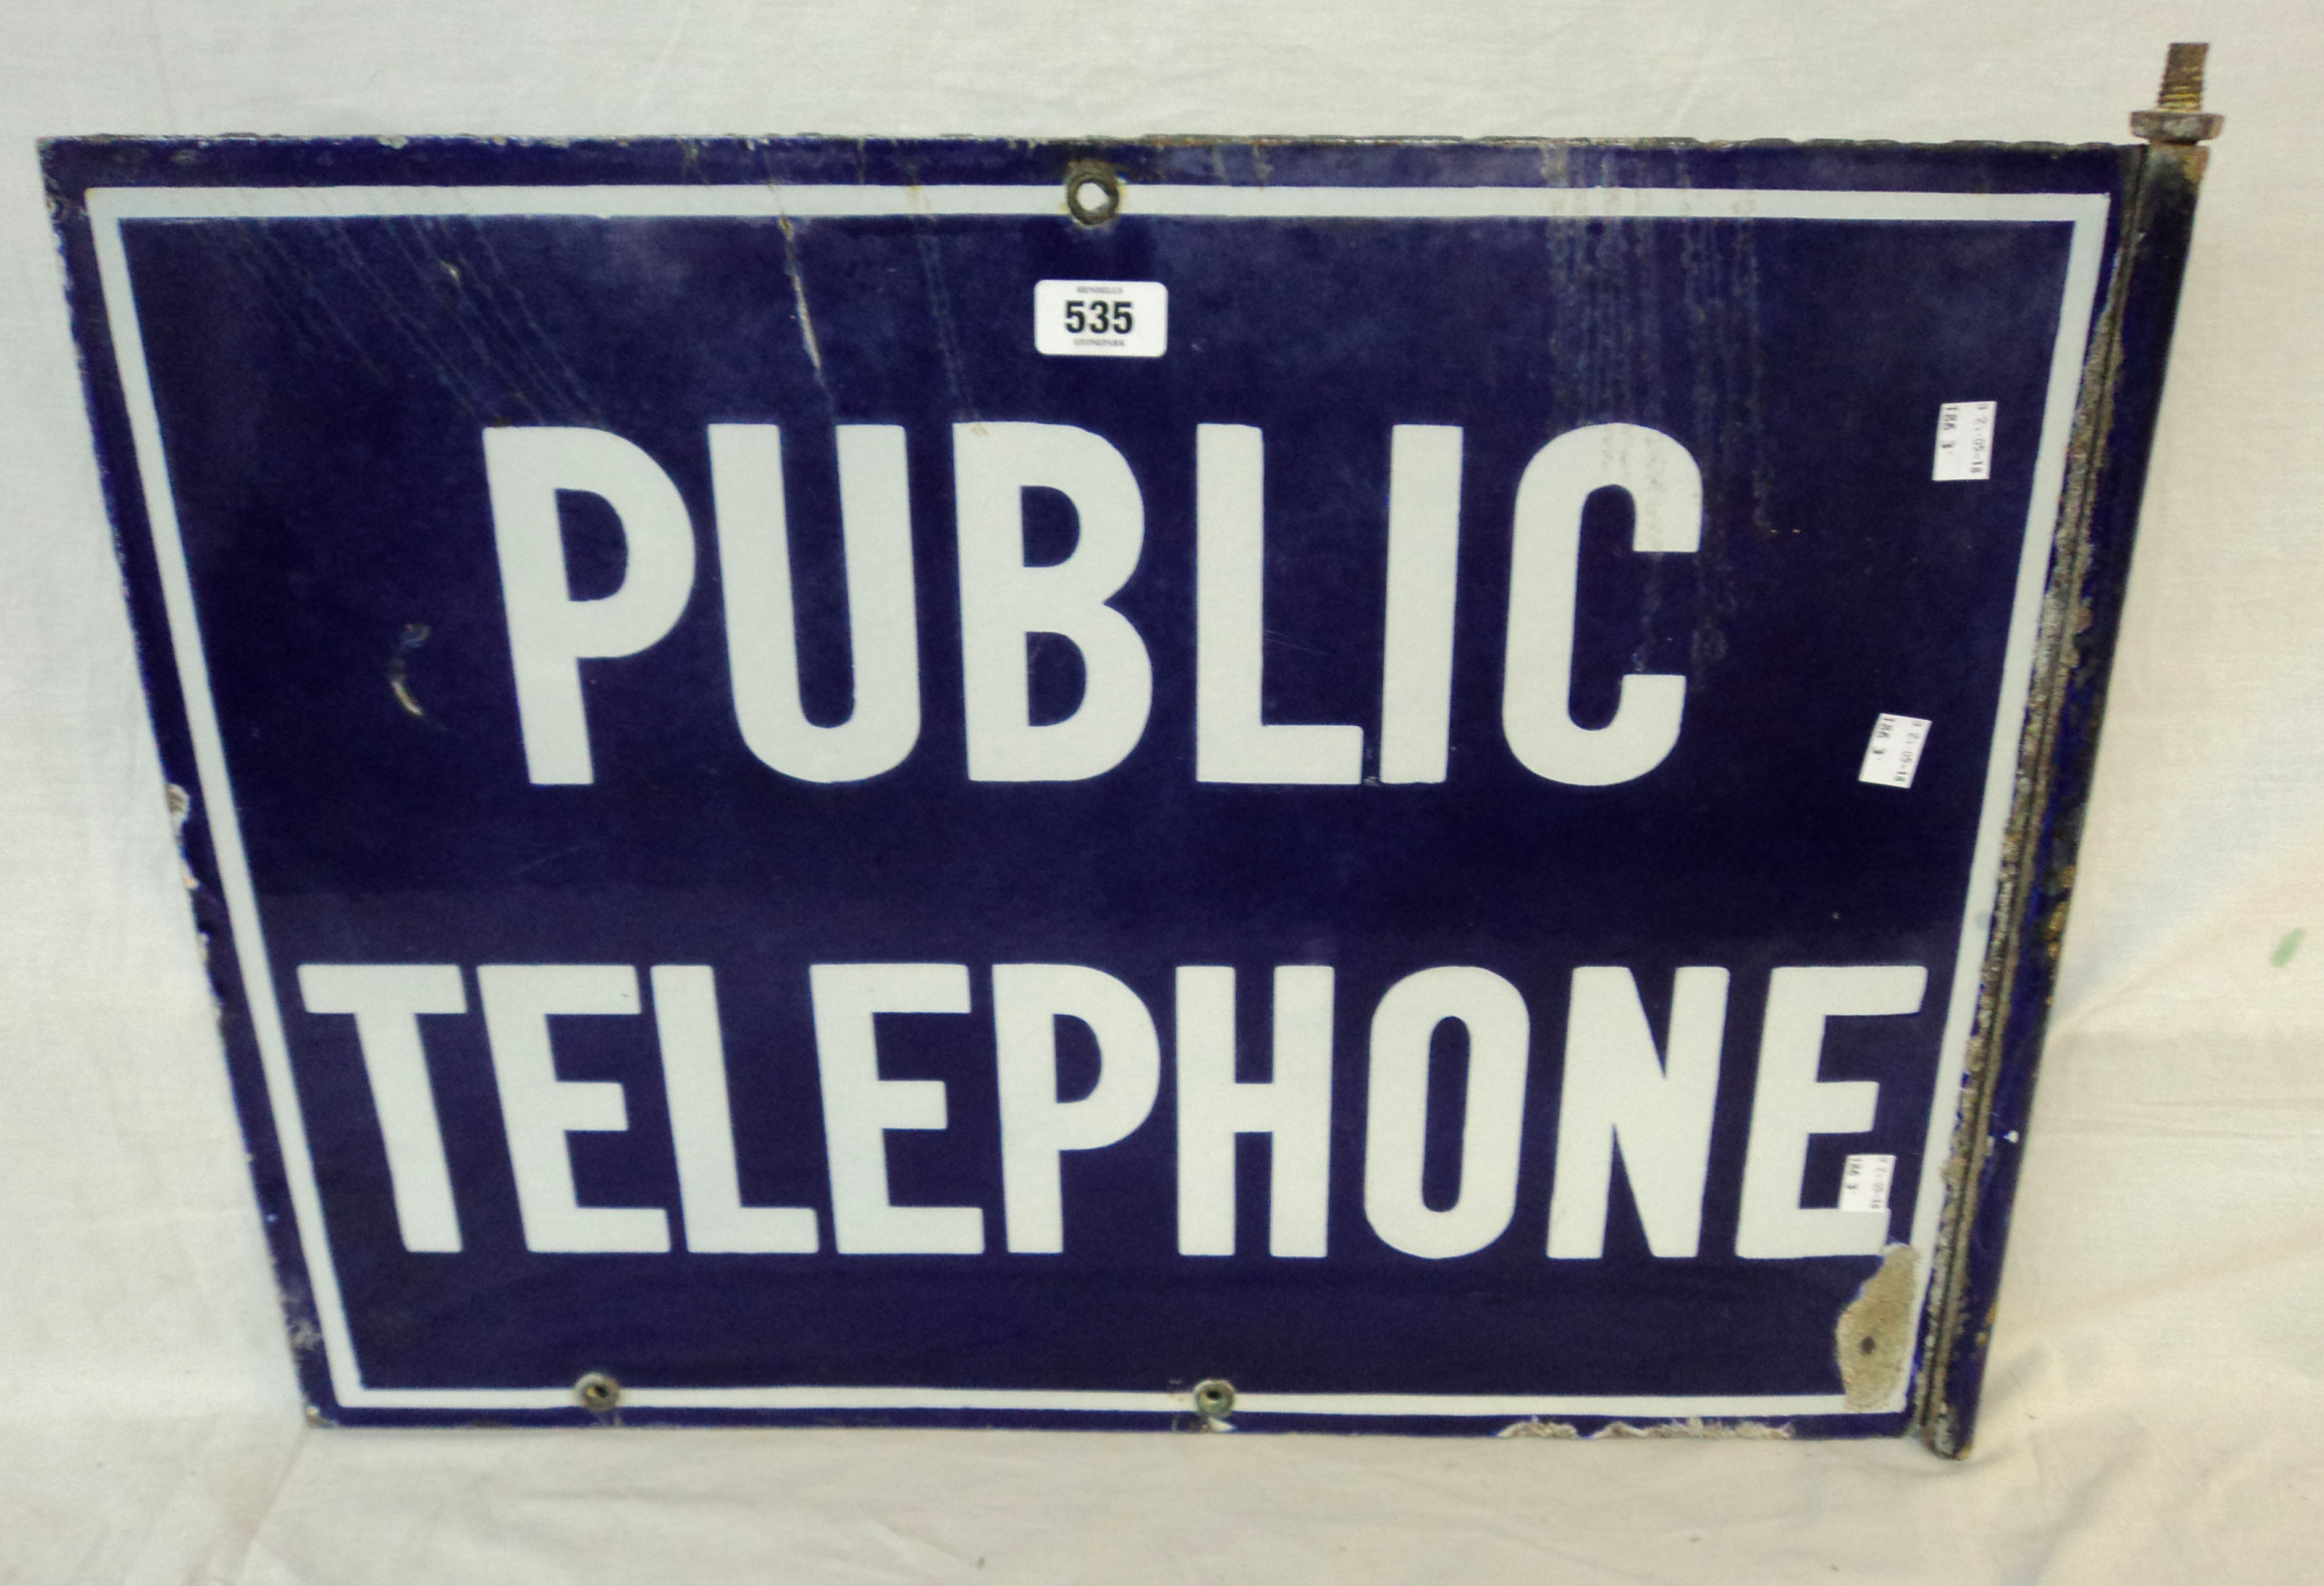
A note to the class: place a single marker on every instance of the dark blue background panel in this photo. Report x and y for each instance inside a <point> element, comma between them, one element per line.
<point>308,522</point>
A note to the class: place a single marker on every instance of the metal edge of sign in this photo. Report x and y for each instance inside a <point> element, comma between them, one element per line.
<point>2097,522</point>
<point>2142,253</point>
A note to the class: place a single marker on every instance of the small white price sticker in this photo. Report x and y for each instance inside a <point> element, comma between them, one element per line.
<point>1864,1183</point>
<point>1964,441</point>
<point>1894,753</point>
<point>1101,319</point>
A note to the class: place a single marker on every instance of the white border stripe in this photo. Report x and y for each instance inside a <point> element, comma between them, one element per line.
<point>110,206</point>
<point>1115,1404</point>
<point>769,201</point>
<point>217,791</point>
<point>2083,261</point>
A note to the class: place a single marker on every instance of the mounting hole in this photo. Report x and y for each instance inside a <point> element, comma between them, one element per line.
<point>1093,192</point>
<point>1214,1400</point>
<point>598,1393</point>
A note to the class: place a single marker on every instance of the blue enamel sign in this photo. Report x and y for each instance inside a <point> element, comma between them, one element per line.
<point>987,783</point>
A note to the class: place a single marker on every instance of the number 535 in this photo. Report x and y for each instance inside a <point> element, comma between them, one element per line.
<point>1101,316</point>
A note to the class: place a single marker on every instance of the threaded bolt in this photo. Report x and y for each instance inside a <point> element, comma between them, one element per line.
<point>2183,78</point>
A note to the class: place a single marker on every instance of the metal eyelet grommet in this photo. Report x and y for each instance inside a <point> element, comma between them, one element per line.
<point>1093,192</point>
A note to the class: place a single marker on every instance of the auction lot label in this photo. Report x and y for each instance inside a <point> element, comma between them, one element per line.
<point>804,807</point>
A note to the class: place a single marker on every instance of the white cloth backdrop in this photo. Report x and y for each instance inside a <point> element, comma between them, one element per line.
<point>2152,1410</point>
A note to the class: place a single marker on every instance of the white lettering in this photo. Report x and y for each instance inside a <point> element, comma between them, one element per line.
<point>1292,1109</point>
<point>754,557</point>
<point>702,1127</point>
<point>1395,1121</point>
<point>1036,1128</point>
<point>1003,602</point>
<point>1619,1090</point>
<point>1424,555</point>
<point>1231,744</point>
<point>538,1110</point>
<point>860,1109</point>
<point>1789,1103</point>
<point>387,999</point>
<point>1666,490</point>
<point>550,633</point>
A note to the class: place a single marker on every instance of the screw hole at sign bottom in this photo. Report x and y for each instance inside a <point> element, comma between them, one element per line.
<point>597,1393</point>
<point>1092,193</point>
<point>1214,1400</point>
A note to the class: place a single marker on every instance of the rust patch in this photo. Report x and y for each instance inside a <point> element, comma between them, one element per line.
<point>1693,1426</point>
<point>399,675</point>
<point>1875,1334</point>
<point>1559,1431</point>
<point>181,810</point>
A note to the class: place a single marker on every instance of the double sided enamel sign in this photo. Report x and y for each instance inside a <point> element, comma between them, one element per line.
<point>1323,786</point>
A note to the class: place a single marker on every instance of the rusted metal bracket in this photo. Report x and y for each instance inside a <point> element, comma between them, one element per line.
<point>2098,515</point>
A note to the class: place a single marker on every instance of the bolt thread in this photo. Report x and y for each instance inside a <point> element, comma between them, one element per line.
<point>2183,78</point>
